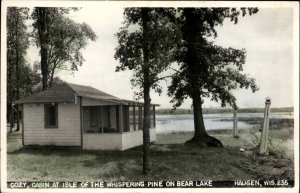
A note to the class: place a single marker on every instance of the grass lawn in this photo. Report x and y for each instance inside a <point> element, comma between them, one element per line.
<point>170,160</point>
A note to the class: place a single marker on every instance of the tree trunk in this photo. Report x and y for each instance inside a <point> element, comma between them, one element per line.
<point>146,84</point>
<point>18,117</point>
<point>12,118</point>
<point>44,67</point>
<point>200,136</point>
<point>146,133</point>
<point>17,73</point>
<point>51,77</point>
<point>198,117</point>
<point>42,22</point>
<point>10,92</point>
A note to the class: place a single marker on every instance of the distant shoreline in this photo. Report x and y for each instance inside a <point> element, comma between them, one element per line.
<point>274,124</point>
<point>222,110</point>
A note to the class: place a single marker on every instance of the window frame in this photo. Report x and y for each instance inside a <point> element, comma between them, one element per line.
<point>46,105</point>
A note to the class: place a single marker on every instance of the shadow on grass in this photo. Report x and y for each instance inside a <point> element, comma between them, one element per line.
<point>156,150</point>
<point>62,150</point>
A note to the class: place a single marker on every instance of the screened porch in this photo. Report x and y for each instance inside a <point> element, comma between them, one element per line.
<point>114,118</point>
<point>114,127</point>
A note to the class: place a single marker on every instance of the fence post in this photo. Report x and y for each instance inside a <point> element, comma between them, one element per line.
<point>264,134</point>
<point>235,129</point>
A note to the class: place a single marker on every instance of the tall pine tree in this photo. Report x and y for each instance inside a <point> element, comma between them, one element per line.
<point>207,70</point>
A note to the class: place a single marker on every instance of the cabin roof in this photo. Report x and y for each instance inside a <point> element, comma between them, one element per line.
<point>66,92</point>
<point>90,92</point>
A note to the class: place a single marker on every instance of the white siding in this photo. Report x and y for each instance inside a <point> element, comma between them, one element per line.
<point>115,141</point>
<point>133,139</point>
<point>67,133</point>
<point>102,141</point>
<point>152,134</point>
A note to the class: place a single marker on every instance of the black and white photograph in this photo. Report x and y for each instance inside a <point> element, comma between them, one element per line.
<point>142,96</point>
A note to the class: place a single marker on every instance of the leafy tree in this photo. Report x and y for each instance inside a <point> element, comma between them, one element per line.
<point>17,44</point>
<point>144,43</point>
<point>60,39</point>
<point>206,69</point>
<point>30,79</point>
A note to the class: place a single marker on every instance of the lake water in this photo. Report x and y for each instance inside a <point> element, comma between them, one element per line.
<point>185,122</point>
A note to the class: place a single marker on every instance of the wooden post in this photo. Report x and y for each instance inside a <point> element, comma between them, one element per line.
<point>264,135</point>
<point>235,129</point>
<point>120,118</point>
<point>127,118</point>
<point>117,118</point>
<point>109,125</point>
<point>154,124</point>
<point>101,107</point>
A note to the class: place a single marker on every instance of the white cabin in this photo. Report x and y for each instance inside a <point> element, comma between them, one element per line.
<point>76,115</point>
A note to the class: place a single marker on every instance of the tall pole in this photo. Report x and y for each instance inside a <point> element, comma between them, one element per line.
<point>264,135</point>
<point>235,129</point>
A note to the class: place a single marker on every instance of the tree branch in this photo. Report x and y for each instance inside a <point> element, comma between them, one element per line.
<point>175,70</point>
<point>161,78</point>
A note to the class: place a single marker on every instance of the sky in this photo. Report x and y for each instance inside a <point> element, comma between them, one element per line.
<point>267,37</point>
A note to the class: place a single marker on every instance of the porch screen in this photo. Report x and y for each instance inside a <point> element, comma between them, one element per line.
<point>141,114</point>
<point>100,119</point>
<point>95,114</point>
<point>126,118</point>
<point>137,118</point>
<point>132,118</point>
<point>151,117</point>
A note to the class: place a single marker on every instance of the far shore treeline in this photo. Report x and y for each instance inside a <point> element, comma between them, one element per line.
<point>164,111</point>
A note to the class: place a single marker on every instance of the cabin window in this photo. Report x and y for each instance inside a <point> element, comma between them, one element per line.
<point>51,115</point>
